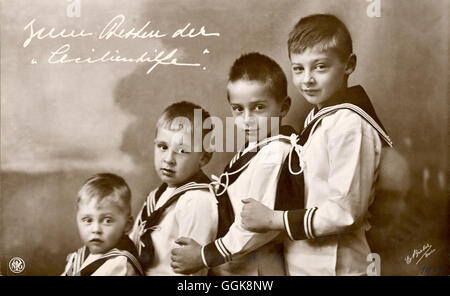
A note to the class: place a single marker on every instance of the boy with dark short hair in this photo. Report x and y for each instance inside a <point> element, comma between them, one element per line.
<point>257,95</point>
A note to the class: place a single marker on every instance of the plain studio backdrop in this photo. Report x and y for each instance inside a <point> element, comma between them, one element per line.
<point>61,123</point>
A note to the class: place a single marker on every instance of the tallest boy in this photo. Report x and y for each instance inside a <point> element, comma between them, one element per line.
<point>341,153</point>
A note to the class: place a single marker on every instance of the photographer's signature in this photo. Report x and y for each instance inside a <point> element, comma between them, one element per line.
<point>425,251</point>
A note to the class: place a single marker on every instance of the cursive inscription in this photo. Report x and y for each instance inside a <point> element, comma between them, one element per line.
<point>60,56</point>
<point>115,29</point>
<point>421,253</point>
<point>52,33</point>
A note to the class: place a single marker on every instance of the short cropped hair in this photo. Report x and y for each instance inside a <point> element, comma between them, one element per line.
<point>107,186</point>
<point>323,30</point>
<point>255,66</point>
<point>184,109</point>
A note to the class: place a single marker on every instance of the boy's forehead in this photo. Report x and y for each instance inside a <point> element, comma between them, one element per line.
<point>312,54</point>
<point>243,90</point>
<point>173,136</point>
<point>107,203</point>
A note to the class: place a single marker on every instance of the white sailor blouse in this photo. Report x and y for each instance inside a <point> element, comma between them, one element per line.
<point>119,261</point>
<point>243,252</point>
<point>193,215</point>
<point>340,162</point>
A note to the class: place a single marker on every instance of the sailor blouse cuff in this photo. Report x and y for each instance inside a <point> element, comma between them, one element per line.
<point>215,253</point>
<point>298,223</point>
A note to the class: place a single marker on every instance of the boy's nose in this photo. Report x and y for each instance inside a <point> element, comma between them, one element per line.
<point>169,158</point>
<point>308,79</point>
<point>247,116</point>
<point>96,228</point>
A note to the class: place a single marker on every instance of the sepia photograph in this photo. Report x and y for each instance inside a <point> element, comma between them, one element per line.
<point>224,138</point>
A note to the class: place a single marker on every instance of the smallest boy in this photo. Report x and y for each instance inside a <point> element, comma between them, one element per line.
<point>183,204</point>
<point>103,219</point>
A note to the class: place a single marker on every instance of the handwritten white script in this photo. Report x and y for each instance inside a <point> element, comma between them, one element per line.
<point>114,29</point>
<point>425,251</point>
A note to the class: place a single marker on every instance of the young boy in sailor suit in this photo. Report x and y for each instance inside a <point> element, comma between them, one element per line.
<point>340,157</point>
<point>103,219</point>
<point>183,205</point>
<point>257,93</point>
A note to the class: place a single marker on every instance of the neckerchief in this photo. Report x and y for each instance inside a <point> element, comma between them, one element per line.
<point>150,217</point>
<point>353,98</point>
<point>232,172</point>
<point>291,187</point>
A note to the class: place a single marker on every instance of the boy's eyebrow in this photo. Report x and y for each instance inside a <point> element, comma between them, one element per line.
<point>321,59</point>
<point>259,101</point>
<point>313,61</point>
<point>251,102</point>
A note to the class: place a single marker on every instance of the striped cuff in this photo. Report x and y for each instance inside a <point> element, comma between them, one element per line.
<point>215,253</point>
<point>298,223</point>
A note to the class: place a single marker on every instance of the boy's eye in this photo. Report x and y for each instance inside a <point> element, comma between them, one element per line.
<point>108,220</point>
<point>260,107</point>
<point>161,146</point>
<point>181,150</point>
<point>237,108</point>
<point>321,67</point>
<point>86,220</point>
<point>297,69</point>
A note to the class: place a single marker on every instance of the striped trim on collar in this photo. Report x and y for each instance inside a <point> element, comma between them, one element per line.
<point>327,110</point>
<point>151,202</point>
<point>116,252</point>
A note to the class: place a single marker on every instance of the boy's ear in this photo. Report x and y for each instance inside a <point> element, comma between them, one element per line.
<point>206,157</point>
<point>351,64</point>
<point>285,106</point>
<point>129,224</point>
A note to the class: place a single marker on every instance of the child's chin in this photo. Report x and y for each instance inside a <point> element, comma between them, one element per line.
<point>96,250</point>
<point>169,181</point>
<point>311,99</point>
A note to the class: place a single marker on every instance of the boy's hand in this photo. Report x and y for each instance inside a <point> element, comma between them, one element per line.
<point>257,217</point>
<point>188,258</point>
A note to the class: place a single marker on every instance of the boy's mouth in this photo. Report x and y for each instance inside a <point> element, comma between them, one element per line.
<point>96,241</point>
<point>167,172</point>
<point>310,91</point>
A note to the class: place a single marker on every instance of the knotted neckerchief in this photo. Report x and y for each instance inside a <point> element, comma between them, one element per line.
<point>150,217</point>
<point>230,174</point>
<point>290,189</point>
<point>125,247</point>
<point>238,165</point>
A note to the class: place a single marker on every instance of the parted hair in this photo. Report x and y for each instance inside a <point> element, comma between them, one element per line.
<point>323,30</point>
<point>172,116</point>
